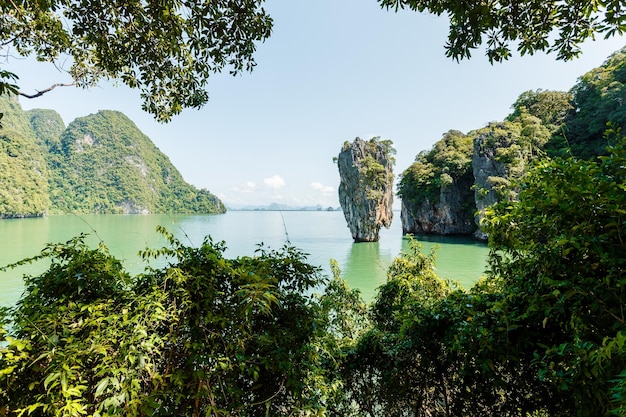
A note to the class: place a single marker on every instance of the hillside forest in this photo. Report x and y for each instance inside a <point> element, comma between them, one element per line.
<point>100,163</point>
<point>542,334</point>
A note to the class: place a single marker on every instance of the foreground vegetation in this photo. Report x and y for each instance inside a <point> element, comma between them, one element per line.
<point>542,334</point>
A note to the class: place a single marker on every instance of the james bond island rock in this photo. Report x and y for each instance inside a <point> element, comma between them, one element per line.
<point>436,190</point>
<point>366,187</point>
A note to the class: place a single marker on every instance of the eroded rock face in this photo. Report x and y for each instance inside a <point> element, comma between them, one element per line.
<point>452,213</point>
<point>366,187</point>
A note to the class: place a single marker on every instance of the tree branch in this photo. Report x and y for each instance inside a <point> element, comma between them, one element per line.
<point>42,92</point>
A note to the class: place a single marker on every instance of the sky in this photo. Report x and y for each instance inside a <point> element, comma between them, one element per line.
<point>330,72</point>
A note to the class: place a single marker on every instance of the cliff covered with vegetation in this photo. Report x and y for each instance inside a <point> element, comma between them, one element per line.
<point>366,186</point>
<point>101,163</point>
<point>464,174</point>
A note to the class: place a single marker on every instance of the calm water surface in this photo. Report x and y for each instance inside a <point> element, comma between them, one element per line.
<point>323,235</point>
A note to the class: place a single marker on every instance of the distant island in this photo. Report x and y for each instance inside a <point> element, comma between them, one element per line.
<point>281,207</point>
<point>101,163</point>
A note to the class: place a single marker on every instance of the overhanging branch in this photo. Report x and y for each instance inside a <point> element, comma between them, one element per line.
<point>42,92</point>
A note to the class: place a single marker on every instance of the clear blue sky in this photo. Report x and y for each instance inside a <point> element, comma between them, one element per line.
<point>331,71</point>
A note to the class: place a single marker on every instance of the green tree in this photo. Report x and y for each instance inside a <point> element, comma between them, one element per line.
<point>561,256</point>
<point>200,336</point>
<point>532,26</point>
<point>449,161</point>
<point>543,334</point>
<point>551,107</point>
<point>393,371</point>
<point>166,49</point>
<point>598,100</point>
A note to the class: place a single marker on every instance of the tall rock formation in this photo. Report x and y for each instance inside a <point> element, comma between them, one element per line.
<point>366,187</point>
<point>448,189</point>
<point>450,213</point>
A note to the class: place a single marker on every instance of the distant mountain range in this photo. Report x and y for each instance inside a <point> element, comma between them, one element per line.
<point>281,207</point>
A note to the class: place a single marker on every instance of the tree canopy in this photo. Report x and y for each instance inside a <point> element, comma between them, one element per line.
<point>166,49</point>
<point>531,25</point>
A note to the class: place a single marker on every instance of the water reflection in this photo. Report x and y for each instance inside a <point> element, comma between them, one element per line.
<point>457,258</point>
<point>365,267</point>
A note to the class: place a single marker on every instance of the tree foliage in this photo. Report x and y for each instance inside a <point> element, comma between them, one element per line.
<point>561,255</point>
<point>542,334</point>
<point>202,335</point>
<point>167,50</point>
<point>551,107</point>
<point>23,169</point>
<point>598,100</point>
<point>449,161</point>
<point>531,26</point>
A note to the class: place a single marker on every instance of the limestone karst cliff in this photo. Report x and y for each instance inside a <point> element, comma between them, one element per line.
<point>497,159</point>
<point>23,169</point>
<point>366,187</point>
<point>451,213</point>
<point>447,189</point>
<point>579,123</point>
<point>101,163</point>
<point>436,190</point>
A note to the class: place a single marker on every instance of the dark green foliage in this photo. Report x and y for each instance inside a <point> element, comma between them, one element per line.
<point>201,336</point>
<point>167,50</point>
<point>550,107</point>
<point>598,99</point>
<point>387,373</point>
<point>543,334</point>
<point>561,255</point>
<point>532,26</point>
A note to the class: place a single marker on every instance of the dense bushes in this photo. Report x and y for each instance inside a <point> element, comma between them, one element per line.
<point>202,336</point>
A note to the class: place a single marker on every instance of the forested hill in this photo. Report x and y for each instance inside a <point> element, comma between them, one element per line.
<point>101,163</point>
<point>448,188</point>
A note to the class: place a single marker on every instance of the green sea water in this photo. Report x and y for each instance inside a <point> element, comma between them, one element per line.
<point>322,235</point>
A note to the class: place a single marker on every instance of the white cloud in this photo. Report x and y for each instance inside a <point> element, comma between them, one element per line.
<point>275,182</point>
<point>248,187</point>
<point>325,189</point>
